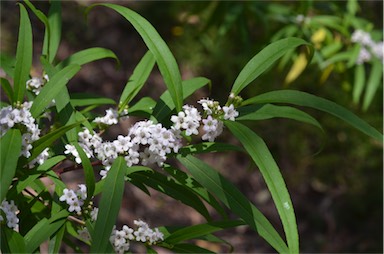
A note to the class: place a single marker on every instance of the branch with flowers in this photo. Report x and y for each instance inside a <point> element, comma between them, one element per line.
<point>44,134</point>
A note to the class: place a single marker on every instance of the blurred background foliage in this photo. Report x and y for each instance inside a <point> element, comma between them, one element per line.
<point>336,180</point>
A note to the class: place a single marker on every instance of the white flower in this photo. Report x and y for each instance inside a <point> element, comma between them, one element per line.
<point>82,192</point>
<point>377,49</point>
<point>94,213</point>
<point>40,159</point>
<point>67,195</point>
<point>110,118</point>
<point>71,149</point>
<point>364,56</point>
<point>212,128</point>
<point>84,234</point>
<point>230,112</point>
<point>362,37</point>
<point>11,211</point>
<point>35,85</point>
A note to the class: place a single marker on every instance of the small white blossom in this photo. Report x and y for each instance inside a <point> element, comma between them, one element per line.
<point>230,113</point>
<point>364,56</point>
<point>110,118</point>
<point>84,234</point>
<point>11,211</point>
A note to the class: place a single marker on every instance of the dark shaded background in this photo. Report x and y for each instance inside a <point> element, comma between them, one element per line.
<point>337,193</point>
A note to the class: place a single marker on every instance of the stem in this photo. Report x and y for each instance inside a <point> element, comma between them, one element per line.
<point>59,171</point>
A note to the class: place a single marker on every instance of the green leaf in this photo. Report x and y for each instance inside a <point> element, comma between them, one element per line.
<point>26,180</point>
<point>269,111</point>
<point>188,181</point>
<point>7,89</point>
<point>137,80</point>
<point>374,80</point>
<point>358,86</point>
<point>86,56</point>
<point>52,39</point>
<point>143,107</point>
<point>43,230</point>
<point>260,154</point>
<point>109,205</point>
<point>52,88</point>
<point>164,58</point>
<point>165,105</point>
<point>10,148</point>
<point>172,189</point>
<point>46,140</point>
<point>88,172</point>
<point>11,241</point>
<point>23,55</point>
<point>196,231</point>
<point>264,59</point>
<point>84,99</point>
<point>55,242</point>
<point>233,199</point>
<point>309,100</point>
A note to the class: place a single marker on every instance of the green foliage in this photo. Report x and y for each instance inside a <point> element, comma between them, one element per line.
<point>70,139</point>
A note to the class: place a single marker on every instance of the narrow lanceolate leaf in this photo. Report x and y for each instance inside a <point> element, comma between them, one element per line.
<point>172,189</point>
<point>260,154</point>
<point>44,229</point>
<point>164,58</point>
<point>109,206</point>
<point>196,231</point>
<point>269,111</point>
<point>88,172</point>
<point>234,200</point>
<point>10,148</point>
<point>309,100</point>
<point>86,56</point>
<point>373,83</point>
<point>137,80</point>
<point>52,88</point>
<point>358,86</point>
<point>264,59</point>
<point>52,39</point>
<point>11,241</point>
<point>83,99</point>
<point>23,55</point>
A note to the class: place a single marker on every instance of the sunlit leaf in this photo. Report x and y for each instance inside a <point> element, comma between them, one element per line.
<point>309,100</point>
<point>264,59</point>
<point>261,155</point>
<point>164,58</point>
<point>109,206</point>
<point>23,55</point>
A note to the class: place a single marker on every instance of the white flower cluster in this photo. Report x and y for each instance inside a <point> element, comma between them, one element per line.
<point>20,117</point>
<point>75,200</point>
<point>110,118</point>
<point>120,239</point>
<point>146,143</point>
<point>11,211</point>
<point>36,84</point>
<point>189,119</point>
<point>369,47</point>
